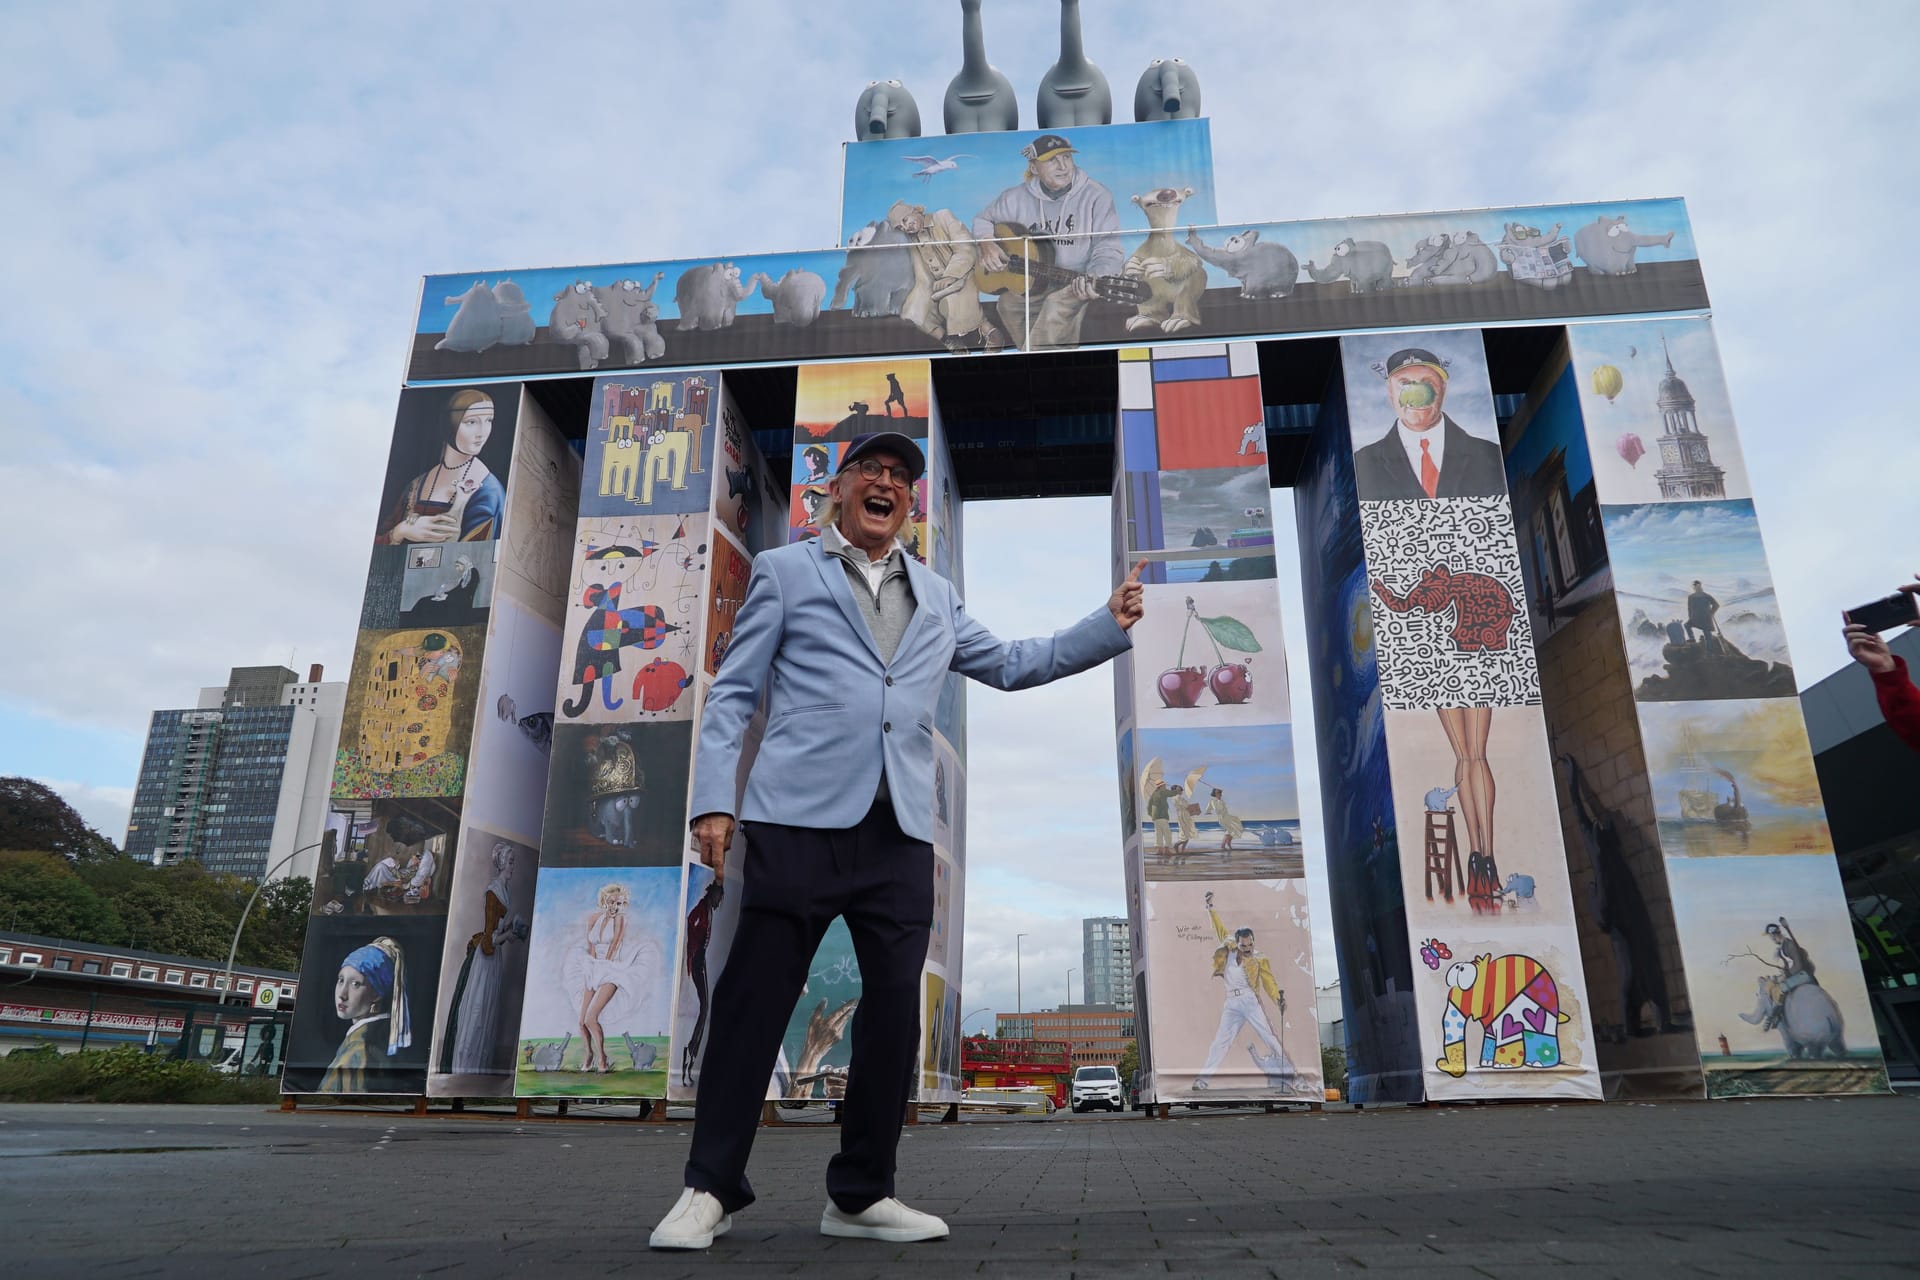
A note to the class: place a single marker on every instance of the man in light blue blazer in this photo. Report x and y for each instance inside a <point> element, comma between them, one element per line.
<point>849,639</point>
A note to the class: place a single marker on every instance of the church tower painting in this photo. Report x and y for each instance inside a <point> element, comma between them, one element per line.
<point>1686,461</point>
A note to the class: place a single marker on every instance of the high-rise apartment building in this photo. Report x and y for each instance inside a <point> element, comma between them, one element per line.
<point>240,781</point>
<point>1106,960</point>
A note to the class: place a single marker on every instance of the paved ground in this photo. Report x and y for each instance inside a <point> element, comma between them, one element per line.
<point>1752,1189</point>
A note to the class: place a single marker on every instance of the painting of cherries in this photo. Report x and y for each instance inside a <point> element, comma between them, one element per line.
<point>1229,682</point>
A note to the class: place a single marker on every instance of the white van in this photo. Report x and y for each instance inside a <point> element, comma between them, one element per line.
<point>1098,1087</point>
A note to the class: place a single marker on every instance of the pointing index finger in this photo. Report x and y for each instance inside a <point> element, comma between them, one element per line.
<point>1134,577</point>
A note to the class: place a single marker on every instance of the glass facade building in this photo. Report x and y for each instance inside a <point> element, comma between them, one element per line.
<point>1106,960</point>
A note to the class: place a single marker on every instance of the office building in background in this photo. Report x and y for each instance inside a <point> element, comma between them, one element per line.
<point>1106,960</point>
<point>241,780</point>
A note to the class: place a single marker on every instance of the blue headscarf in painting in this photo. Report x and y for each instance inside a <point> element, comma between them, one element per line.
<point>382,965</point>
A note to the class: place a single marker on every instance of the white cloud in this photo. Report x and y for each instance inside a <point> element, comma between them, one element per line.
<point>103,808</point>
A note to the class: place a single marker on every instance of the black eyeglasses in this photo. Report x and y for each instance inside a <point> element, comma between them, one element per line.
<point>872,469</point>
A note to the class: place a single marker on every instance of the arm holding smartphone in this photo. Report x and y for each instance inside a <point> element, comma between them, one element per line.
<point>1899,700</point>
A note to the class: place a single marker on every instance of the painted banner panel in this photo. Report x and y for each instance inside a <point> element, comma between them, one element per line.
<point>1209,800</point>
<point>389,870</point>
<point>1727,766</point>
<point>1501,995</point>
<point>1137,227</point>
<point>1370,934</point>
<point>1629,945</point>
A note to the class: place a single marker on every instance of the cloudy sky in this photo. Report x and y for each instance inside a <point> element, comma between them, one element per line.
<point>215,217</point>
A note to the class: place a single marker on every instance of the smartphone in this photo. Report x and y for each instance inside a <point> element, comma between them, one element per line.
<point>1898,609</point>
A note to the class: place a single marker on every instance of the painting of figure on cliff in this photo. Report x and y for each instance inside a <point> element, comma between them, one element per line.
<point>1697,606</point>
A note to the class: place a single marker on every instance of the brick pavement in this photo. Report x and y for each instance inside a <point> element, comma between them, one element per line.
<point>1752,1189</point>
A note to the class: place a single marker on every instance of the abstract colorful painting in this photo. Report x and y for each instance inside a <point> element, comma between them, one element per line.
<point>633,618</point>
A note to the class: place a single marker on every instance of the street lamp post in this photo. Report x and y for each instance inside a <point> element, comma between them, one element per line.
<point>1070,972</point>
<point>234,950</point>
<point>1019,1005</point>
<point>985,1008</point>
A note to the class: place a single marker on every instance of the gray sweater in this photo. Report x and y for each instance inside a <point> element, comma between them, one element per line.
<point>886,611</point>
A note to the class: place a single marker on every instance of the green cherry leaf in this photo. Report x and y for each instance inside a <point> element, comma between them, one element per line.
<point>1232,633</point>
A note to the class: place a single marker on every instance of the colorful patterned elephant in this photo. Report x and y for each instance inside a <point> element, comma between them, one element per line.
<point>1516,1003</point>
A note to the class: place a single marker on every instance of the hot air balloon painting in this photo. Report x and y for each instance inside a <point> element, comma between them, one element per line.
<point>1630,449</point>
<point>1607,382</point>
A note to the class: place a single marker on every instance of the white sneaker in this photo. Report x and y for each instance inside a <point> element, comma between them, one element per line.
<point>695,1219</point>
<point>882,1220</point>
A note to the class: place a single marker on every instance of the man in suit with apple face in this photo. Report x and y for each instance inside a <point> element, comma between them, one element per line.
<point>851,640</point>
<point>1425,454</point>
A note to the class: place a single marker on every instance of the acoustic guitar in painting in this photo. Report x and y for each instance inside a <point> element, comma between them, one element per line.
<point>1031,259</point>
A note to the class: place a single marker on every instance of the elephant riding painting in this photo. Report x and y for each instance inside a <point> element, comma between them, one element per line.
<point>1779,1006</point>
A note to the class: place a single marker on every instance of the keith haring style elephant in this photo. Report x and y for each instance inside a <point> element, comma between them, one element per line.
<point>1484,610</point>
<point>1517,1004</point>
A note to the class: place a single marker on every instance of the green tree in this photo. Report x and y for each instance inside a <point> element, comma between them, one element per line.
<point>1333,1067</point>
<point>1129,1062</point>
<point>277,930</point>
<point>40,893</point>
<point>33,817</point>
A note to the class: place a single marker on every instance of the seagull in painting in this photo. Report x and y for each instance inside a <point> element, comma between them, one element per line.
<point>930,165</point>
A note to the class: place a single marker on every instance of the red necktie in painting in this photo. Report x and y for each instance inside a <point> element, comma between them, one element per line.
<point>1429,474</point>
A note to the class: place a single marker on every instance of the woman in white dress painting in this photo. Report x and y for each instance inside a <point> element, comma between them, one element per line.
<point>611,973</point>
<point>1231,828</point>
<point>476,1028</point>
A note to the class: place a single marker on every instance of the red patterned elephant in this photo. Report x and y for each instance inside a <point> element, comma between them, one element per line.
<point>1484,609</point>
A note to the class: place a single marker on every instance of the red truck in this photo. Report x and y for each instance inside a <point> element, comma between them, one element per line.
<point>1008,1064</point>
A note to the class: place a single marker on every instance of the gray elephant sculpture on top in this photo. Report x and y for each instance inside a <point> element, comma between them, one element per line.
<point>1810,1022</point>
<point>879,271</point>
<point>578,318</point>
<point>1367,265</point>
<point>631,316</point>
<point>1168,90</point>
<point>1073,91</point>
<point>1607,248</point>
<point>980,99</point>
<point>1264,270</point>
<point>885,110</point>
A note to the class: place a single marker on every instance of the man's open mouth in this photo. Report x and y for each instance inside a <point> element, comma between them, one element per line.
<point>880,508</point>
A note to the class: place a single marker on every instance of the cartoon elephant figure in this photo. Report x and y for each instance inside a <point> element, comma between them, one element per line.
<point>1810,1023</point>
<point>1607,247</point>
<point>577,319</point>
<point>1517,1004</point>
<point>879,271</point>
<point>795,296</point>
<point>630,318</point>
<point>516,314</point>
<point>1483,607</point>
<point>1451,259</point>
<point>707,295</point>
<point>1366,264</point>
<point>1541,259</point>
<point>1264,270</point>
<point>476,325</point>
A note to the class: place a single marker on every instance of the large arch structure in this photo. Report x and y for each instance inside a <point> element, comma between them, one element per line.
<point>1574,844</point>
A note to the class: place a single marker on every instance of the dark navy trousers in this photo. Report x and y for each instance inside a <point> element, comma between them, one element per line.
<point>797,880</point>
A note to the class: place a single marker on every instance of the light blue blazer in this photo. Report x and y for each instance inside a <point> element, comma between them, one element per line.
<point>836,713</point>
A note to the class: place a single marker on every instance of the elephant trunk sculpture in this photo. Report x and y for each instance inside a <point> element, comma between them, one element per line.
<point>980,99</point>
<point>1073,91</point>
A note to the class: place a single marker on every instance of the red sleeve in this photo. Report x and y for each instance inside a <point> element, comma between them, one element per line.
<point>1899,701</point>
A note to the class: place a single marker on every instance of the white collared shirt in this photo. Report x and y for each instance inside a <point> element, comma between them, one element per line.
<point>836,543</point>
<point>1436,438</point>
